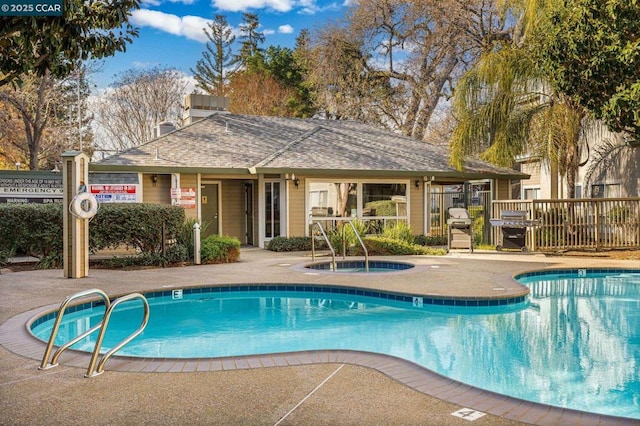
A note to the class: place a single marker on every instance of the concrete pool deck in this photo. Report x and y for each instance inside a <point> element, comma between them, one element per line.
<point>317,387</point>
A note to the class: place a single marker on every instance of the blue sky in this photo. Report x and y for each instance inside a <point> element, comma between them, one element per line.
<point>171,30</point>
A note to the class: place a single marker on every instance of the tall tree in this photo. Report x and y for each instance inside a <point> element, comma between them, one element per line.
<point>211,71</point>
<point>505,107</point>
<point>54,44</point>
<point>258,93</point>
<point>590,51</point>
<point>305,102</point>
<point>250,37</point>
<point>138,101</point>
<point>392,61</point>
<point>281,65</point>
<point>40,119</point>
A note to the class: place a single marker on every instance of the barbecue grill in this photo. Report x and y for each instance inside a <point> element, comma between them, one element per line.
<point>514,225</point>
<point>460,229</point>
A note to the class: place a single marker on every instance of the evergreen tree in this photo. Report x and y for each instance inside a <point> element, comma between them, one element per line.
<point>250,37</point>
<point>212,69</point>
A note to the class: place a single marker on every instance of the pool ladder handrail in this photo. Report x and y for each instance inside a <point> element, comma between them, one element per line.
<point>313,245</point>
<point>92,370</point>
<point>45,365</point>
<point>344,248</point>
<point>102,325</point>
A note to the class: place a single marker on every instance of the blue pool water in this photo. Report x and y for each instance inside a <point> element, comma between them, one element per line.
<point>358,266</point>
<point>575,343</point>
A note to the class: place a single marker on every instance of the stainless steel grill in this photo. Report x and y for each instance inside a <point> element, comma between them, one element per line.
<point>514,224</point>
<point>460,226</point>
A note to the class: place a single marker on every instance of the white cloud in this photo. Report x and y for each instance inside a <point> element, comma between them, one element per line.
<point>310,7</point>
<point>188,26</point>
<point>285,29</point>
<point>138,64</point>
<point>242,5</point>
<point>268,31</point>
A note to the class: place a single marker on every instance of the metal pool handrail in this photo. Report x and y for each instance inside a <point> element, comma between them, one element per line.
<point>366,253</point>
<point>54,331</point>
<point>105,321</point>
<point>313,245</point>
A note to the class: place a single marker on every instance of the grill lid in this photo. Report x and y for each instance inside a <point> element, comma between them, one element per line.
<point>458,216</point>
<point>458,213</point>
<point>513,214</point>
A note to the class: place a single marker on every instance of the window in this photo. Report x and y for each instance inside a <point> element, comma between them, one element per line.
<point>531,193</point>
<point>333,199</point>
<point>603,190</point>
<point>272,209</point>
<point>384,199</point>
<point>353,199</point>
<point>578,193</point>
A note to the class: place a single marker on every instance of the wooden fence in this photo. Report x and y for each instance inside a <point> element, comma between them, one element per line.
<point>576,224</point>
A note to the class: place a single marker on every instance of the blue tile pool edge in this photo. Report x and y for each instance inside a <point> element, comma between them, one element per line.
<point>575,272</point>
<point>494,301</point>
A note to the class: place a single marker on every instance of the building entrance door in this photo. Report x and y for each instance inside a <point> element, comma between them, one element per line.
<point>210,208</point>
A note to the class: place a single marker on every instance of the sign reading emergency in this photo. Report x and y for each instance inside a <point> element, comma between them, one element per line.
<point>115,193</point>
<point>20,190</point>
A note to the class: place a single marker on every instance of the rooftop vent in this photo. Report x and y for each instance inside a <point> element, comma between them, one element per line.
<point>163,128</point>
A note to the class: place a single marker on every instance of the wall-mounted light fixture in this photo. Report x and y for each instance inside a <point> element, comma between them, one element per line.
<point>417,183</point>
<point>154,179</point>
<point>293,178</point>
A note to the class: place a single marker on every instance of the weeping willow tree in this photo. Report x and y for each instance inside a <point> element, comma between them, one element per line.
<point>506,109</point>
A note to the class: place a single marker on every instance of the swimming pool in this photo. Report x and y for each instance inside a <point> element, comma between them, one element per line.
<point>575,344</point>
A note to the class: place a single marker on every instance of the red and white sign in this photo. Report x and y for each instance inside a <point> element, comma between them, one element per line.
<point>184,197</point>
<point>115,193</point>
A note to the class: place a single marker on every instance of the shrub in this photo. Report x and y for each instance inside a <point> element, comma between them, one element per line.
<point>185,235</point>
<point>37,230</point>
<point>178,253</point>
<point>383,208</point>
<point>5,254</point>
<point>135,225</point>
<point>430,240</point>
<point>219,249</point>
<point>141,260</point>
<point>400,231</point>
<point>33,230</point>
<point>346,231</point>
<point>284,244</point>
<point>381,246</point>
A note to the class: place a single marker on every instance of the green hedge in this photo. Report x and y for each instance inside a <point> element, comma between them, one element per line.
<point>430,240</point>
<point>37,229</point>
<point>219,249</point>
<point>381,246</point>
<point>32,230</point>
<point>135,225</point>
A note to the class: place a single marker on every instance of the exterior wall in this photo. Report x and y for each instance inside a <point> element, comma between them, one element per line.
<point>297,213</point>
<point>416,208</point>
<point>620,173</point>
<point>232,209</point>
<point>158,193</point>
<point>502,190</point>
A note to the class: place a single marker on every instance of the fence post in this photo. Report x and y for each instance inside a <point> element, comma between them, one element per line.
<point>597,221</point>
<point>196,243</point>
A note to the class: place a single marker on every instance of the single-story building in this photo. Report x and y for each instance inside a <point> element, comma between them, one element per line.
<point>256,177</point>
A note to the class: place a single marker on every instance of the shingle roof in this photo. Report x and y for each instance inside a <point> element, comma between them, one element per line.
<point>232,143</point>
